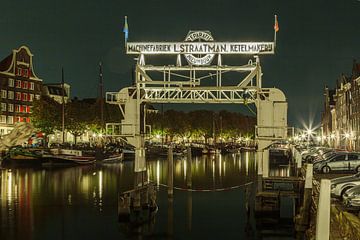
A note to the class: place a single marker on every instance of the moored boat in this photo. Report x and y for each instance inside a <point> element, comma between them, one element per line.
<point>113,158</point>
<point>65,160</point>
<point>22,157</point>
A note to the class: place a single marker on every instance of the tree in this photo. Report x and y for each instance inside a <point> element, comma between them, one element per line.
<point>46,115</point>
<point>77,118</point>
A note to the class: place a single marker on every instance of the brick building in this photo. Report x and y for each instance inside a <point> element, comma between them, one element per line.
<point>19,86</point>
<point>327,115</point>
<point>341,116</point>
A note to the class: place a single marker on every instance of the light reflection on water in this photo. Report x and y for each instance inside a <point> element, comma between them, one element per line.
<point>56,203</point>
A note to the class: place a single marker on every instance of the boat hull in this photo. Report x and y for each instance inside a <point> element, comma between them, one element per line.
<point>52,160</point>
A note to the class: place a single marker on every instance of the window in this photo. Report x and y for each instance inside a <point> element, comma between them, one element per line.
<point>340,158</point>
<point>29,109</point>
<point>31,97</point>
<point>11,95</point>
<point>11,82</point>
<point>352,157</point>
<point>18,96</point>
<point>10,107</point>
<point>19,71</point>
<point>2,118</point>
<point>25,85</point>
<point>18,84</point>
<point>17,108</point>
<point>24,97</point>
<point>24,108</point>
<point>3,107</point>
<point>3,93</point>
<point>31,86</point>
<point>26,73</point>
<point>28,119</point>
<point>10,120</point>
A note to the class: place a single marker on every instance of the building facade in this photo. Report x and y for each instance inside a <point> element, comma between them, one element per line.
<point>55,91</point>
<point>327,117</point>
<point>341,128</point>
<point>19,86</point>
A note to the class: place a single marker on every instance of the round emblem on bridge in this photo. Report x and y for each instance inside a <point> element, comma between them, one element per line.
<point>201,36</point>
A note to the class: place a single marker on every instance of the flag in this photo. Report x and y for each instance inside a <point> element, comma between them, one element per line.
<point>126,29</point>
<point>276,25</point>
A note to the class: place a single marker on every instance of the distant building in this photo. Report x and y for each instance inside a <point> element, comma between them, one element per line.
<point>341,116</point>
<point>342,107</point>
<point>19,86</point>
<point>355,106</point>
<point>54,91</point>
<point>327,116</point>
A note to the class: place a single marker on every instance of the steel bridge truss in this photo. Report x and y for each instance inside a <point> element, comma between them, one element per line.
<point>189,89</point>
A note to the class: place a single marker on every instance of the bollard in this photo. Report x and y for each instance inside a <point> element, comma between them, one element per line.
<point>259,158</point>
<point>323,211</point>
<point>309,176</point>
<point>188,168</point>
<point>303,219</point>
<point>170,173</point>
<point>259,161</point>
<point>266,163</point>
<point>299,163</point>
<point>307,195</point>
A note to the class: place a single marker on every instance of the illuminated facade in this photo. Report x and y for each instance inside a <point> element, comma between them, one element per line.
<point>327,117</point>
<point>341,117</point>
<point>19,86</point>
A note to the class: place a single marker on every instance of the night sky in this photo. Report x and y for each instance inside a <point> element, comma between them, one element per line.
<point>317,41</point>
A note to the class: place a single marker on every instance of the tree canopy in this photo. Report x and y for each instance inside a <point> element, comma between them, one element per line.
<point>201,123</point>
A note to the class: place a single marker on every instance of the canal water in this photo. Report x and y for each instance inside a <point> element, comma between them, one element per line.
<point>81,202</point>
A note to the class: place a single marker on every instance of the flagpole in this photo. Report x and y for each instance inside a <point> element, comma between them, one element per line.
<point>126,32</point>
<point>276,28</point>
<point>274,40</point>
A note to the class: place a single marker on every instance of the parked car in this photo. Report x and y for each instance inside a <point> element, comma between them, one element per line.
<point>308,152</point>
<point>342,161</point>
<point>351,197</point>
<point>340,185</point>
<point>323,156</point>
<point>317,154</point>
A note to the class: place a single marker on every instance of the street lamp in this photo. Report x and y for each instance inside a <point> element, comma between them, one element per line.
<point>347,140</point>
<point>309,133</point>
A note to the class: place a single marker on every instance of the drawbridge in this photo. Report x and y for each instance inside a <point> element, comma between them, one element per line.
<point>198,75</point>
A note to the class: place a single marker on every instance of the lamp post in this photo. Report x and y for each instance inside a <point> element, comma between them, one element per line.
<point>309,133</point>
<point>347,141</point>
<point>332,137</point>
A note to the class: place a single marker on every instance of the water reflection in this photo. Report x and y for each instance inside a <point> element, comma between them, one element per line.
<point>280,171</point>
<point>43,203</point>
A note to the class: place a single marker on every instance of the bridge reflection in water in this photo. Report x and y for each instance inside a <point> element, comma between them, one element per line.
<point>81,202</point>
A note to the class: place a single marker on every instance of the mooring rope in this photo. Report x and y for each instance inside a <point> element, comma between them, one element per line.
<point>208,190</point>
